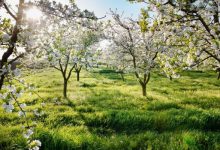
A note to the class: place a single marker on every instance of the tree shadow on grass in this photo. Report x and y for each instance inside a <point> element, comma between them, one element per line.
<point>194,74</point>
<point>131,122</point>
<point>110,74</point>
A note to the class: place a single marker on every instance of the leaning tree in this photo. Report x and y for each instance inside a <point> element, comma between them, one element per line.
<point>9,32</point>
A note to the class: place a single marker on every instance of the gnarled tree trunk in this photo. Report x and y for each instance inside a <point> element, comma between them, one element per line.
<point>14,37</point>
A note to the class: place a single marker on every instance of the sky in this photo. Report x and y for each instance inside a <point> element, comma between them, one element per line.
<point>101,7</point>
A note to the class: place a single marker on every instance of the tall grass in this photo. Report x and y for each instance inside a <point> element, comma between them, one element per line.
<point>107,113</point>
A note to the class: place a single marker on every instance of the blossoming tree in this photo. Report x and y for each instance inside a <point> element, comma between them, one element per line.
<point>199,23</point>
<point>137,45</point>
<point>67,46</point>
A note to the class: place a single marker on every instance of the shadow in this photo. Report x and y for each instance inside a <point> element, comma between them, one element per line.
<point>194,74</point>
<point>133,122</point>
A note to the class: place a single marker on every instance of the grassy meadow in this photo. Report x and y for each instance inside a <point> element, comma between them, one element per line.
<point>105,113</point>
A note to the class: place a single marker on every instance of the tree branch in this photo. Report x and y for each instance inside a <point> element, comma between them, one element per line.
<point>10,13</point>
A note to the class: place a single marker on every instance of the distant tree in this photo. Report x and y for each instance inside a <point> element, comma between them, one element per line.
<point>112,58</point>
<point>86,53</point>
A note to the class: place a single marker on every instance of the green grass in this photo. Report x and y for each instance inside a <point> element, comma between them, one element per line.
<point>107,113</point>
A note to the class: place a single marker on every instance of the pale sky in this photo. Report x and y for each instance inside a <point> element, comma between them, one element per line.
<point>101,7</point>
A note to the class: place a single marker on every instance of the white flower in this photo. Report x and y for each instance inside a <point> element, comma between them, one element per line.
<point>23,105</point>
<point>17,72</point>
<point>175,76</point>
<point>18,94</point>
<point>22,81</point>
<point>30,43</point>
<point>3,96</point>
<point>11,89</point>
<point>3,71</point>
<point>28,134</point>
<point>217,52</point>
<point>212,32</point>
<point>38,143</point>
<point>5,37</point>
<point>21,113</point>
<point>38,112</point>
<point>8,107</point>
<point>34,148</point>
<point>43,104</point>
<point>198,52</point>
<point>34,145</point>
<point>191,45</point>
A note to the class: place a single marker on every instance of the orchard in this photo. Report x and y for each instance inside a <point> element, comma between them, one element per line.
<point>72,79</point>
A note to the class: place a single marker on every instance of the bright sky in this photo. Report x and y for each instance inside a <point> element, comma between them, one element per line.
<point>101,7</point>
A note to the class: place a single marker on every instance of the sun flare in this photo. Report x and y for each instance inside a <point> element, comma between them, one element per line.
<point>33,13</point>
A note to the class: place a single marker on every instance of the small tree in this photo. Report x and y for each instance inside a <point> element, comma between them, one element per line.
<point>137,45</point>
<point>117,61</point>
<point>86,50</point>
<point>59,52</point>
<point>63,46</point>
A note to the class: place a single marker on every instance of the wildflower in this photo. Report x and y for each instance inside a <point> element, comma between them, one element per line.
<point>23,105</point>
<point>3,71</point>
<point>34,145</point>
<point>28,134</point>
<point>3,96</point>
<point>17,72</point>
<point>21,113</point>
<point>5,37</point>
<point>11,89</point>
<point>38,112</point>
<point>43,104</point>
<point>8,107</point>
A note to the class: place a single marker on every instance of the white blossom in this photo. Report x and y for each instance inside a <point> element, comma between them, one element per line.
<point>28,133</point>
<point>17,72</point>
<point>8,107</point>
<point>34,145</point>
<point>3,71</point>
<point>23,105</point>
<point>5,37</point>
<point>21,113</point>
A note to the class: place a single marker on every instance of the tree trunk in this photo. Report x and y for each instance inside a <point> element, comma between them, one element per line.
<point>2,81</point>
<point>13,39</point>
<point>170,77</point>
<point>122,76</point>
<point>77,75</point>
<point>144,89</point>
<point>65,88</point>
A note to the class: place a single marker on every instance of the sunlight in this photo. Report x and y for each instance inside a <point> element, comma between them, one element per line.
<point>33,13</point>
